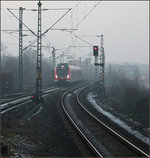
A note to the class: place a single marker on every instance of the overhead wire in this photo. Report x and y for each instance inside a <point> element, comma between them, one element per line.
<point>46,30</point>
<point>16,37</point>
<point>41,9</point>
<point>56,22</point>
<point>72,25</point>
<point>9,33</point>
<point>10,17</point>
<point>15,26</point>
<point>23,23</point>
<point>87,15</point>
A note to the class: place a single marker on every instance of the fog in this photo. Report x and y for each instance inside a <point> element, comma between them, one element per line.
<point>124,24</point>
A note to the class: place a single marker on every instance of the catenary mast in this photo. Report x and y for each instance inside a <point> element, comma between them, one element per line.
<point>39,58</point>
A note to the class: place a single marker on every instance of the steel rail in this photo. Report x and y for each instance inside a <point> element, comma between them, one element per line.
<point>92,147</point>
<point>19,96</point>
<point>139,151</point>
<point>11,106</point>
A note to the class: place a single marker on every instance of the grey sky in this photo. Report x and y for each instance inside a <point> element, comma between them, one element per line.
<point>124,24</point>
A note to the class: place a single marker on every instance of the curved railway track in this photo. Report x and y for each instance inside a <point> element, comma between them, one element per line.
<point>101,139</point>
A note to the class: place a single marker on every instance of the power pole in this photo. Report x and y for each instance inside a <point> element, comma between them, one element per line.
<point>39,58</point>
<point>20,51</point>
<point>39,50</point>
<point>102,67</point>
<point>53,58</point>
<point>53,62</point>
<point>96,69</point>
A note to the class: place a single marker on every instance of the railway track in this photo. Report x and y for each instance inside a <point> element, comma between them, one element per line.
<point>16,96</point>
<point>100,138</point>
<point>14,103</point>
<point>45,126</point>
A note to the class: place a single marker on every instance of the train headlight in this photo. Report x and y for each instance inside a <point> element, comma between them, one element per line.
<point>67,76</point>
<point>56,76</point>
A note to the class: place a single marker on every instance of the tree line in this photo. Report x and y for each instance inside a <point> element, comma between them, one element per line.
<point>10,72</point>
<point>128,94</point>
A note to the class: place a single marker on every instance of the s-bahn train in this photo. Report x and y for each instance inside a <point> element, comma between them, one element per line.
<point>67,73</point>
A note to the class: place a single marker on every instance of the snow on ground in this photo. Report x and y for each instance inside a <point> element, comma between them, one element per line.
<point>13,107</point>
<point>17,101</point>
<point>37,112</point>
<point>51,90</point>
<point>90,98</point>
<point>84,128</point>
<point>14,102</point>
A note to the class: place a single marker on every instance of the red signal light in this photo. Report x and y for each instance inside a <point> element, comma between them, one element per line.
<point>95,50</point>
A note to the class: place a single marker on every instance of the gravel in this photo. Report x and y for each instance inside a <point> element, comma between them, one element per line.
<point>44,134</point>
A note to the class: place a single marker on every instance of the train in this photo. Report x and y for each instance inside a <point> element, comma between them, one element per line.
<point>65,73</point>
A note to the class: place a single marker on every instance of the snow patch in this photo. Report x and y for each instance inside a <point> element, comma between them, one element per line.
<point>40,109</point>
<point>90,98</point>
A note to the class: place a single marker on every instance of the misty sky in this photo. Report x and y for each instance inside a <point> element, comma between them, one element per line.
<point>124,24</point>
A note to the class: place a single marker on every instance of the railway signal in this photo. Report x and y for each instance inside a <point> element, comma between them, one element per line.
<point>95,50</point>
